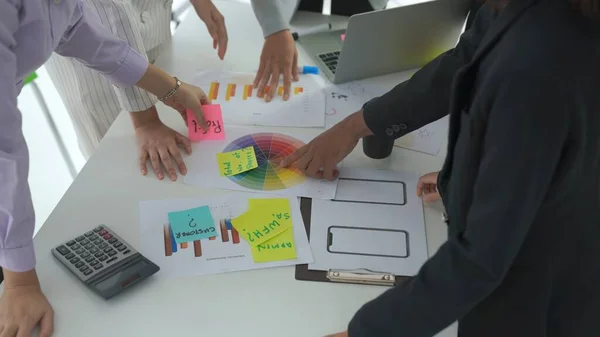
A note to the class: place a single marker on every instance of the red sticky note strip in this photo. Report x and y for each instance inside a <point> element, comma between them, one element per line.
<point>214,119</point>
<point>343,36</point>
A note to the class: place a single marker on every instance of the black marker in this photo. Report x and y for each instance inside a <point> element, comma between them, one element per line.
<point>312,30</point>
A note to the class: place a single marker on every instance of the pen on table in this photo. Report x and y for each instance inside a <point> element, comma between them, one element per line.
<point>308,70</point>
<point>312,30</point>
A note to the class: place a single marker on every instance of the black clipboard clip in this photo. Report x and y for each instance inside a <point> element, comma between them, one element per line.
<point>361,276</point>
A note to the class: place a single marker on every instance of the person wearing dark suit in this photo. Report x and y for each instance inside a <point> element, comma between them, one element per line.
<point>520,183</point>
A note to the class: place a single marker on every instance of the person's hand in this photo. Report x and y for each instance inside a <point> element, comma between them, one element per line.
<point>189,97</point>
<point>215,23</point>
<point>427,187</point>
<point>23,306</point>
<point>160,144</point>
<point>319,158</point>
<point>341,334</point>
<point>279,57</point>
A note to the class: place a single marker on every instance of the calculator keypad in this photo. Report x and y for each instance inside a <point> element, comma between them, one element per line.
<point>93,251</point>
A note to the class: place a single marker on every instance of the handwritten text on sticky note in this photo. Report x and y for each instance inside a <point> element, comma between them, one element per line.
<point>192,224</point>
<point>279,248</point>
<point>265,219</point>
<point>214,120</point>
<point>236,162</point>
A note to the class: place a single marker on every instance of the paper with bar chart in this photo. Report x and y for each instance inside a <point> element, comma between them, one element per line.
<point>242,105</point>
<point>225,252</point>
<point>269,177</point>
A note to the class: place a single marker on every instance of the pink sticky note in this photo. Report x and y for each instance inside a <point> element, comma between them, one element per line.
<point>343,36</point>
<point>214,119</point>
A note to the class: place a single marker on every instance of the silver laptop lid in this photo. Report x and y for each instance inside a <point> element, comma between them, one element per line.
<point>400,38</point>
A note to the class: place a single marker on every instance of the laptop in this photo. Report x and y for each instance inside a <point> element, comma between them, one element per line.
<point>388,41</point>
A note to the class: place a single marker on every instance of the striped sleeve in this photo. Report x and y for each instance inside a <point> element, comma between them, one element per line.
<point>120,18</point>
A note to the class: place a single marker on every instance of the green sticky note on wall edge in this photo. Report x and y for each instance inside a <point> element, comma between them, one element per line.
<point>30,78</point>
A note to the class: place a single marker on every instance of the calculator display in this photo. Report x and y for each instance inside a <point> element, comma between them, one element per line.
<point>122,278</point>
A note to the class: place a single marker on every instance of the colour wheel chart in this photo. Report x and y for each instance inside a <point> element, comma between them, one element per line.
<point>270,149</point>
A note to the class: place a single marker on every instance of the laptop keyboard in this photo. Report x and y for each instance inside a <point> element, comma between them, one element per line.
<point>330,59</point>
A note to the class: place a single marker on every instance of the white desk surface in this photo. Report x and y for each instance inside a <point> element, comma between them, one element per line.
<point>261,303</point>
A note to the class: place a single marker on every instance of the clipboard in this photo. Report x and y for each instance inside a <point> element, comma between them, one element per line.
<point>361,276</point>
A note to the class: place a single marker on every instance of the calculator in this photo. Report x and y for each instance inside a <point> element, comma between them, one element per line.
<point>104,262</point>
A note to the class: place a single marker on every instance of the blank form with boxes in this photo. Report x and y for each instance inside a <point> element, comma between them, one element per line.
<point>374,228</point>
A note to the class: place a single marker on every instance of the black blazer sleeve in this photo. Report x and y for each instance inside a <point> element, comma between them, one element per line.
<point>425,97</point>
<point>514,174</point>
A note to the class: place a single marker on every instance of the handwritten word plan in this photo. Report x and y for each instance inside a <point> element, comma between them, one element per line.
<point>192,224</point>
<point>214,120</point>
<point>236,162</point>
<point>267,226</point>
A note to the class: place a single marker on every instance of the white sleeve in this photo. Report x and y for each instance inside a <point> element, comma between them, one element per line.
<point>119,18</point>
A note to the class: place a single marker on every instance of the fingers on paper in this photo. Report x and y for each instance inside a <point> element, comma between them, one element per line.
<point>155,161</point>
<point>287,84</point>
<point>184,141</point>
<point>199,114</point>
<point>294,157</point>
<point>167,161</point>
<point>176,154</point>
<point>143,162</point>
<point>264,79</point>
<point>275,72</point>
<point>295,67</point>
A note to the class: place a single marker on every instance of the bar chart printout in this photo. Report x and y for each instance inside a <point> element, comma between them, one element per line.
<point>244,105</point>
<point>226,251</point>
<point>247,91</point>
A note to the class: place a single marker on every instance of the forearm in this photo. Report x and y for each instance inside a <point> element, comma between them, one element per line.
<point>156,81</point>
<point>141,118</point>
<point>17,219</point>
<point>20,279</point>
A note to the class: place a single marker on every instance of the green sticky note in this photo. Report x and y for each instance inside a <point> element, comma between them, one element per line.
<point>192,224</point>
<point>279,248</point>
<point>236,162</point>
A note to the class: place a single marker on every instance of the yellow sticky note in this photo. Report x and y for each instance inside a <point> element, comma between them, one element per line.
<point>265,219</point>
<point>279,248</point>
<point>236,162</point>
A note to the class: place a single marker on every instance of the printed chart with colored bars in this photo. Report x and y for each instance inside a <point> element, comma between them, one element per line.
<point>269,177</point>
<point>270,149</point>
<point>242,104</point>
<point>231,90</point>
<point>172,247</point>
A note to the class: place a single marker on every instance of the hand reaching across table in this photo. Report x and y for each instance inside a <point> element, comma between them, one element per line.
<point>159,144</point>
<point>215,24</point>
<point>279,57</point>
<point>319,158</point>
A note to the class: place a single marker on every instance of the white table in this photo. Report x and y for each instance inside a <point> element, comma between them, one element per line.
<point>261,303</point>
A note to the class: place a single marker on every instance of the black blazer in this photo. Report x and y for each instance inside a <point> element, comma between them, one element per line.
<point>520,183</point>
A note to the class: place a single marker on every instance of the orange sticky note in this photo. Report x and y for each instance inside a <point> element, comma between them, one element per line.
<point>214,119</point>
<point>343,36</point>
